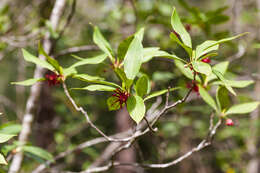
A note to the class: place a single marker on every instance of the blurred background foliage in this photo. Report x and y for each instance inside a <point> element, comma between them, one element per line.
<point>59,127</point>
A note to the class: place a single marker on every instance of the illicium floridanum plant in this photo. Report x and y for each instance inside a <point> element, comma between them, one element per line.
<point>127,62</point>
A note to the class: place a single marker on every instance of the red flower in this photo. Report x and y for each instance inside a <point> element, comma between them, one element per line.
<point>121,97</point>
<point>53,79</point>
<point>229,122</point>
<point>206,60</point>
<point>194,86</point>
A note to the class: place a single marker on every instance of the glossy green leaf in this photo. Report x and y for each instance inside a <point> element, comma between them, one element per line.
<point>31,58</point>
<point>142,85</point>
<point>158,93</point>
<point>243,108</point>
<point>94,79</point>
<point>203,49</point>
<point>235,84</point>
<point>50,60</point>
<point>186,48</point>
<point>133,58</point>
<point>28,82</point>
<point>113,103</point>
<point>126,83</point>
<point>96,88</point>
<point>69,72</point>
<point>2,160</point>
<point>222,97</point>
<point>102,43</point>
<point>38,152</point>
<point>202,67</point>
<point>9,128</point>
<point>221,77</point>
<point>221,67</point>
<point>152,52</point>
<point>225,40</point>
<point>180,29</point>
<point>123,47</point>
<point>136,108</point>
<point>94,60</point>
<point>207,98</point>
<point>5,137</point>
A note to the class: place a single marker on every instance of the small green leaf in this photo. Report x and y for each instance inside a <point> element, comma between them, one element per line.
<point>123,47</point>
<point>202,67</point>
<point>28,82</point>
<point>133,58</point>
<point>221,77</point>
<point>50,60</point>
<point>96,88</point>
<point>94,79</point>
<point>5,137</point>
<point>222,98</point>
<point>152,52</point>
<point>69,72</point>
<point>207,98</point>
<point>103,43</point>
<point>201,49</point>
<point>9,128</point>
<point>39,152</point>
<point>221,67</point>
<point>243,108</point>
<point>142,85</point>
<point>158,93</point>
<point>240,83</point>
<point>113,103</point>
<point>136,108</point>
<point>94,60</point>
<point>31,58</point>
<point>180,29</point>
<point>126,83</point>
<point>2,160</point>
<point>186,48</point>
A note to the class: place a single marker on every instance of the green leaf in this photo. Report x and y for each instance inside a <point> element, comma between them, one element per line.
<point>142,85</point>
<point>97,88</point>
<point>202,67</point>
<point>94,60</point>
<point>240,83</point>
<point>39,152</point>
<point>152,52</point>
<point>69,72</point>
<point>136,108</point>
<point>126,83</point>
<point>31,58</point>
<point>28,82</point>
<point>158,93</point>
<point>180,29</point>
<point>5,137</point>
<point>113,103</point>
<point>186,48</point>
<point>103,43</point>
<point>207,98</point>
<point>2,160</point>
<point>133,58</point>
<point>222,98</point>
<point>186,71</point>
<point>221,67</point>
<point>123,47</point>
<point>221,77</point>
<point>9,128</point>
<point>243,108</point>
<point>201,49</point>
<point>94,79</point>
<point>224,40</point>
<point>50,60</point>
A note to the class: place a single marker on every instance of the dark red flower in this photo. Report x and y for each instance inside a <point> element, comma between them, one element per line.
<point>206,60</point>
<point>121,97</point>
<point>188,27</point>
<point>229,122</point>
<point>193,86</point>
<point>53,79</point>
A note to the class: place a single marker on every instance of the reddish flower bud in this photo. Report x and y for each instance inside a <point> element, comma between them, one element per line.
<point>188,27</point>
<point>229,122</point>
<point>53,79</point>
<point>121,97</point>
<point>206,60</point>
<point>193,86</point>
